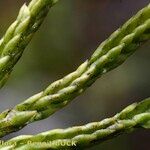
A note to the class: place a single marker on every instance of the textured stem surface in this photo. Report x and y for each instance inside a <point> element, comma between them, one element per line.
<point>20,33</point>
<point>133,117</point>
<point>110,54</point>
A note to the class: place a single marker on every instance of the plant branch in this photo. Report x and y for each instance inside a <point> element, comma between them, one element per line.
<point>133,117</point>
<point>109,55</point>
<point>20,33</point>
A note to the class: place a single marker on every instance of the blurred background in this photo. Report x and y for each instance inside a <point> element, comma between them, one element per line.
<point>70,34</point>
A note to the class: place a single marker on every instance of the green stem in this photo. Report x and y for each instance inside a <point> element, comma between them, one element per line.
<point>20,33</point>
<point>133,117</point>
<point>109,55</point>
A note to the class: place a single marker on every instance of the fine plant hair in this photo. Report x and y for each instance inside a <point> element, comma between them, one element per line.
<point>110,54</point>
